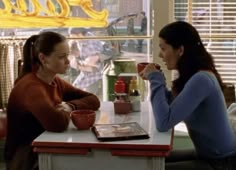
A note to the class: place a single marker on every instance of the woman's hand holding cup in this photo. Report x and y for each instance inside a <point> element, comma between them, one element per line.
<point>144,69</point>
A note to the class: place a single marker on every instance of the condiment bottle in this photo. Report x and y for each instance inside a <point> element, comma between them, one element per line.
<point>119,86</point>
<point>134,95</point>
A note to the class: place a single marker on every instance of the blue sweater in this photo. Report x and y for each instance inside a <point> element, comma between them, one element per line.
<point>201,106</point>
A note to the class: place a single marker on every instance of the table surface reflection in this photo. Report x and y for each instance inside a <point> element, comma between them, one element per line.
<point>86,139</point>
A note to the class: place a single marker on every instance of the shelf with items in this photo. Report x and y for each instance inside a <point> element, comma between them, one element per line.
<point>127,93</point>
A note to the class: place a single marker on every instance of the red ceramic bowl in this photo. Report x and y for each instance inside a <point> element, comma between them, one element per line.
<point>83,119</point>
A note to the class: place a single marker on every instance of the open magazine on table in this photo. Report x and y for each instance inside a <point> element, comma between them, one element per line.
<point>119,131</point>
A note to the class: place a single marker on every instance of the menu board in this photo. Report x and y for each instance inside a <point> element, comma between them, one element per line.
<point>119,131</point>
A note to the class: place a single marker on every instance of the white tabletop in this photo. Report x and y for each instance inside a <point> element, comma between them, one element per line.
<point>74,137</point>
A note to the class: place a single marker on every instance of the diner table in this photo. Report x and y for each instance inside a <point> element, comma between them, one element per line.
<point>79,149</point>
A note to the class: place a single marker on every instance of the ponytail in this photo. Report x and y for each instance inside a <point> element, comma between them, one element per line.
<point>29,58</point>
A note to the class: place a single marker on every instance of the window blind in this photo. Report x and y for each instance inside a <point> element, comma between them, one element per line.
<point>215,21</point>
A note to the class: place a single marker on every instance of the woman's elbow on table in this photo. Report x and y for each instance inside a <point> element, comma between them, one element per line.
<point>58,125</point>
<point>162,127</point>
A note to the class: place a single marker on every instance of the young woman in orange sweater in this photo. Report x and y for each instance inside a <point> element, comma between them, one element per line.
<point>40,100</point>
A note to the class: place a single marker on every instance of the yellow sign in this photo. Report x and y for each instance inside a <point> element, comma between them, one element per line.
<point>19,16</point>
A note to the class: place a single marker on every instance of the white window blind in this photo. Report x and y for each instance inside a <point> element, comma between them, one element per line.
<point>216,22</point>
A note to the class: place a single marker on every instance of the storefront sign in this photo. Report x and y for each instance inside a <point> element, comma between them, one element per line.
<point>17,15</point>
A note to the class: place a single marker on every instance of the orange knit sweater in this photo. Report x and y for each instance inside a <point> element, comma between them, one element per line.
<point>31,109</point>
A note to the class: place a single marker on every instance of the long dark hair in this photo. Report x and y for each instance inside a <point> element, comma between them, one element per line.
<point>41,43</point>
<point>195,56</point>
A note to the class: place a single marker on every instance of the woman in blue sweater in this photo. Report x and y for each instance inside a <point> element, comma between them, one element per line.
<point>196,99</point>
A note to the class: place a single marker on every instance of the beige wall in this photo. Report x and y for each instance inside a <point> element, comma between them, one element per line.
<point>163,15</point>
